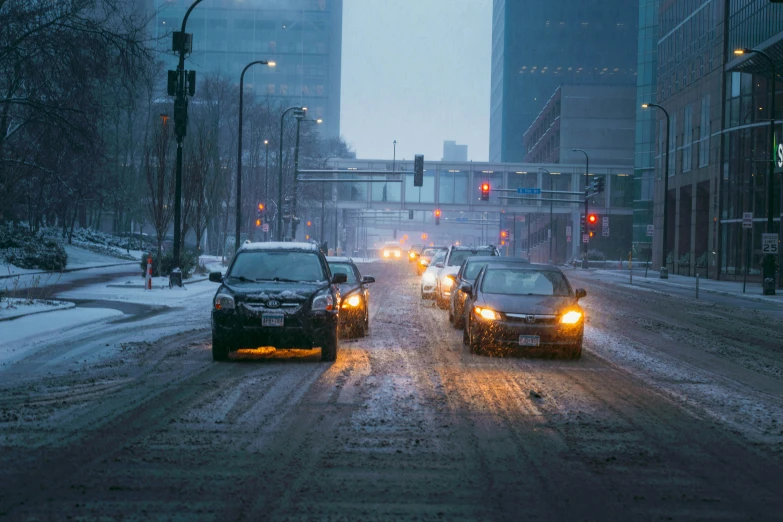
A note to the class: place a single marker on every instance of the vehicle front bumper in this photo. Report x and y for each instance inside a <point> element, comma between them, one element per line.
<point>506,333</point>
<point>429,287</point>
<point>300,331</point>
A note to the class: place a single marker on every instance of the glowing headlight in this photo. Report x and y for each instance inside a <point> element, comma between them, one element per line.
<point>323,301</point>
<point>397,253</point>
<point>447,282</point>
<point>224,302</point>
<point>353,301</point>
<point>571,317</point>
<point>486,313</point>
<point>385,253</point>
<point>423,262</point>
<point>412,255</point>
<point>428,277</point>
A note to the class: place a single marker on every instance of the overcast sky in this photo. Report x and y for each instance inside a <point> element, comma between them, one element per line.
<point>417,71</point>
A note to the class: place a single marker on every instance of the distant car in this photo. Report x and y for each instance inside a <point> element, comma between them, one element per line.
<point>467,274</point>
<point>276,294</point>
<point>430,277</point>
<point>454,258</point>
<point>414,253</point>
<point>426,258</point>
<point>355,296</point>
<point>526,306</point>
<point>391,252</point>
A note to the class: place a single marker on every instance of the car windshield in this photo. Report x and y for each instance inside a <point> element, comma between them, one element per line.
<point>343,268</point>
<point>266,265</point>
<point>472,270</point>
<point>514,281</point>
<point>438,258</point>
<point>459,256</point>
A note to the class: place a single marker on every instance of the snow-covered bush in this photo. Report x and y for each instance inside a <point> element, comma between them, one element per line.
<point>25,249</point>
<point>595,255</point>
<point>685,260</point>
<point>188,261</point>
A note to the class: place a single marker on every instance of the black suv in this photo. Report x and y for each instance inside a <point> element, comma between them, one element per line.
<point>276,294</point>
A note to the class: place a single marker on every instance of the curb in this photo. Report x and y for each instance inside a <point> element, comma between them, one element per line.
<point>66,270</point>
<point>188,282</point>
<point>57,309</point>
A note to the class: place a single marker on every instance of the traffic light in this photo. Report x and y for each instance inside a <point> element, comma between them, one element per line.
<point>437,216</point>
<point>504,234</point>
<point>309,223</point>
<point>410,214</point>
<point>172,83</point>
<point>582,225</point>
<point>258,222</point>
<point>260,207</point>
<point>485,192</point>
<point>599,184</point>
<point>418,170</point>
<point>592,219</point>
<point>424,237</point>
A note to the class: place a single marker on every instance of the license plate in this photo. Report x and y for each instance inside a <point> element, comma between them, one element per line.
<point>529,340</point>
<point>272,319</point>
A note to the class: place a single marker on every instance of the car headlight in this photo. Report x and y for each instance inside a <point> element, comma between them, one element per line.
<point>324,300</point>
<point>224,302</point>
<point>428,277</point>
<point>385,253</point>
<point>486,313</point>
<point>446,282</point>
<point>571,317</point>
<point>397,254</point>
<point>411,255</point>
<point>352,301</point>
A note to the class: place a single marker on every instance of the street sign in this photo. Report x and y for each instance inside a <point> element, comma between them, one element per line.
<point>769,243</point>
<point>462,220</point>
<point>650,230</point>
<point>605,232</point>
<point>780,155</point>
<point>747,220</point>
<point>265,227</point>
<point>533,191</point>
<point>568,230</point>
<point>585,238</point>
<point>605,221</point>
<point>568,239</point>
<point>549,234</point>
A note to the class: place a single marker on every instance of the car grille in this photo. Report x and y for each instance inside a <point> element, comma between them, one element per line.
<point>531,318</point>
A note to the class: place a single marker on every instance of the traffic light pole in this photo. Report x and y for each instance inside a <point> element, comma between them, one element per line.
<point>266,184</point>
<point>551,206</point>
<point>279,231</point>
<point>587,175</point>
<point>180,127</point>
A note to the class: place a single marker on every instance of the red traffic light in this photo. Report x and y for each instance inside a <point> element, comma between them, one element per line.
<point>424,236</point>
<point>260,206</point>
<point>437,212</point>
<point>485,187</point>
<point>592,219</point>
<point>504,234</point>
<point>309,223</point>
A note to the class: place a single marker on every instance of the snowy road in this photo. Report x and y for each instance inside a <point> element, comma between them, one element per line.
<point>674,412</point>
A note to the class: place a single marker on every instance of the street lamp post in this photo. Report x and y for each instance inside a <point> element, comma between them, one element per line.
<point>266,185</point>
<point>768,269</point>
<point>300,117</point>
<point>279,231</point>
<point>323,201</point>
<point>664,265</point>
<point>239,144</point>
<point>587,174</point>
<point>551,203</point>
<point>180,43</point>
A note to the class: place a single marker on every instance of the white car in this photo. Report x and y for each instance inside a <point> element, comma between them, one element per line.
<point>429,279</point>
<point>454,258</point>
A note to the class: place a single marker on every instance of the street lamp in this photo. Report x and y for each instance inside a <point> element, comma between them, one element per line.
<point>300,117</point>
<point>239,143</point>
<point>587,171</point>
<point>664,266</point>
<point>266,183</point>
<point>768,277</point>
<point>182,42</point>
<point>551,203</point>
<point>279,231</point>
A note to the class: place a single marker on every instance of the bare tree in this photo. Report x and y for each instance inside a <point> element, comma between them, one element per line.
<point>160,183</point>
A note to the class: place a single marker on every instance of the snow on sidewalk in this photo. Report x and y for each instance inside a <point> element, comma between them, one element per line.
<point>14,307</point>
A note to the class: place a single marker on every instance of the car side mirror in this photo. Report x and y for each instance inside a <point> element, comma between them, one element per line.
<point>424,262</point>
<point>580,293</point>
<point>368,279</point>
<point>438,265</point>
<point>338,279</point>
<point>466,288</point>
<point>216,277</point>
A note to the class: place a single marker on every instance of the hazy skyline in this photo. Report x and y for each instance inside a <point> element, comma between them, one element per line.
<point>416,71</point>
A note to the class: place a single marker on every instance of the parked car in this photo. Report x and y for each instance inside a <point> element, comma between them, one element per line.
<point>454,258</point>
<point>531,306</point>
<point>276,294</point>
<point>426,258</point>
<point>355,296</point>
<point>467,274</point>
<point>429,277</point>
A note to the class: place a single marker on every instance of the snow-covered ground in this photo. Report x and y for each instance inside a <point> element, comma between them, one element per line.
<point>17,307</point>
<point>131,290</point>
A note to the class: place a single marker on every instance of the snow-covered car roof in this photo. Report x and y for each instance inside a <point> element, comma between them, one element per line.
<point>335,259</point>
<point>279,245</point>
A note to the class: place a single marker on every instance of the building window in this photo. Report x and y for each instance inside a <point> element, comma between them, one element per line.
<point>672,144</point>
<point>687,139</point>
<point>704,136</point>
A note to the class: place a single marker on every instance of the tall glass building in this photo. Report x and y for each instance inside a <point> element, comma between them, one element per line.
<point>539,44</point>
<point>304,38</point>
<point>644,156</point>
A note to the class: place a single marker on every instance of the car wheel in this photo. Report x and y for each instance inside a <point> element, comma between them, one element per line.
<point>473,341</point>
<point>459,322</point>
<point>220,349</point>
<point>329,347</point>
<point>451,316</point>
<point>362,327</point>
<point>575,351</point>
<point>441,303</point>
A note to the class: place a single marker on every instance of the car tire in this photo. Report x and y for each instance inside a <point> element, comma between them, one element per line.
<point>451,317</point>
<point>329,347</point>
<point>220,349</point>
<point>441,303</point>
<point>362,327</point>
<point>459,322</point>
<point>575,351</point>
<point>473,342</point>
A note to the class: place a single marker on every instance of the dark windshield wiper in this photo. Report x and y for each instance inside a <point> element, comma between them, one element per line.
<point>280,280</point>
<point>242,279</point>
